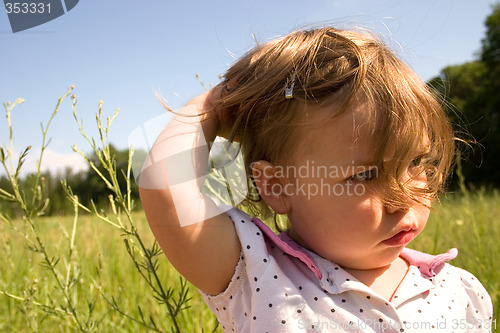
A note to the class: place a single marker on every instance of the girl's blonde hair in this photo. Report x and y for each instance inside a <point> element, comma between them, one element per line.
<point>326,66</point>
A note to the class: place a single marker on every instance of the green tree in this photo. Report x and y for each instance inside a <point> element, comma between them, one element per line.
<point>472,95</point>
<point>490,57</point>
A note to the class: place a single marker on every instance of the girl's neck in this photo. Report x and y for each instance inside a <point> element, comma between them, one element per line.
<point>384,280</point>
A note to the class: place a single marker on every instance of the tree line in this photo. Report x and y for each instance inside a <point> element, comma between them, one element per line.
<point>471,92</point>
<point>87,185</point>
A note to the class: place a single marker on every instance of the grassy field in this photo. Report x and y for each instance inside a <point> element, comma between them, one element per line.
<point>106,272</point>
<point>468,222</point>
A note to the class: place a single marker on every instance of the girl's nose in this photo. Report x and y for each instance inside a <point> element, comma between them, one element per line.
<point>392,208</point>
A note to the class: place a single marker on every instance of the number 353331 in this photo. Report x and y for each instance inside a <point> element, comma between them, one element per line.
<point>29,13</point>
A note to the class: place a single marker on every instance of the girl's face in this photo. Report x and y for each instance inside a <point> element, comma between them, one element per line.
<point>334,209</point>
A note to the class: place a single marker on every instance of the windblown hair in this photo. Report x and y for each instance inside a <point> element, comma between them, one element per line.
<point>340,68</point>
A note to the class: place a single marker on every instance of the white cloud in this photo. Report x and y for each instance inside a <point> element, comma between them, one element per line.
<point>52,161</point>
<point>56,162</point>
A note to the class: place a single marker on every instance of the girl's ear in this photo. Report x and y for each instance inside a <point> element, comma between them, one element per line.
<point>270,188</point>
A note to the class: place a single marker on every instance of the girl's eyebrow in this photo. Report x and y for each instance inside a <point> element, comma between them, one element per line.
<point>371,163</point>
<point>362,161</point>
<point>359,164</point>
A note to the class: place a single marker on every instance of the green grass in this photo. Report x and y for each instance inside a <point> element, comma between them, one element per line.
<point>469,222</point>
<point>104,264</point>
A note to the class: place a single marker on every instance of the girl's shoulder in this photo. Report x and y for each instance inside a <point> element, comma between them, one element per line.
<point>470,284</point>
<point>454,287</point>
<point>438,271</point>
<point>470,292</point>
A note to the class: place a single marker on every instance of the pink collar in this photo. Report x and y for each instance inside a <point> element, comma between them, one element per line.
<point>428,264</point>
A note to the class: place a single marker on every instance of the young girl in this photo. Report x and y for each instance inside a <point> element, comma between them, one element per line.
<point>348,143</point>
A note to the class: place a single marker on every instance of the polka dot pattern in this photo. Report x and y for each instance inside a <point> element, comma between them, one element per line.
<point>272,291</point>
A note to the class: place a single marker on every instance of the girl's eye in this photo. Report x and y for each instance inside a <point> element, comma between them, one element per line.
<point>416,162</point>
<point>365,175</point>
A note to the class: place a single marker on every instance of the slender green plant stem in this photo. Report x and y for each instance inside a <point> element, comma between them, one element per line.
<point>107,161</point>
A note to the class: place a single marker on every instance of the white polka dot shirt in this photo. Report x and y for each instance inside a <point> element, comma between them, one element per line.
<point>280,287</point>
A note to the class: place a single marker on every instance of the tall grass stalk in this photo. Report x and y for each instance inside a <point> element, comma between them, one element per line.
<point>32,203</point>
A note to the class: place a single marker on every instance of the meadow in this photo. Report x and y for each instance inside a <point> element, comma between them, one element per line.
<point>105,275</point>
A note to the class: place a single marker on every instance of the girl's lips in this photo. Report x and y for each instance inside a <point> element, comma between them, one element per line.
<point>401,238</point>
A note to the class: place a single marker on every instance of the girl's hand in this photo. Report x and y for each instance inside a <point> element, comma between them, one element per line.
<point>215,101</point>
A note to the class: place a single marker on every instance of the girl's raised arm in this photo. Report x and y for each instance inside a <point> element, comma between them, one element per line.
<point>198,239</point>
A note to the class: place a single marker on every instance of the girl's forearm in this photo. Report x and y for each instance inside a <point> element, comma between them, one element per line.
<point>178,161</point>
<point>192,232</point>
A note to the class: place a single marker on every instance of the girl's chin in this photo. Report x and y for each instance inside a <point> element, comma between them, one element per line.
<point>382,263</point>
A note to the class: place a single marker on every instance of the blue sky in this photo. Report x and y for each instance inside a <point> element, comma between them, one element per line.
<point>122,51</point>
